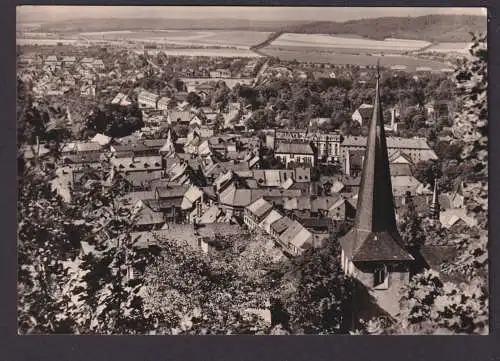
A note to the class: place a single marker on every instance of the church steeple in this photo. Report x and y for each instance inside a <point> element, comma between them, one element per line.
<point>435,207</point>
<point>375,208</point>
<point>374,236</point>
<point>168,147</point>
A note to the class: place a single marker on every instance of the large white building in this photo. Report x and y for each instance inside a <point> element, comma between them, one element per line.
<point>327,144</point>
<point>297,153</point>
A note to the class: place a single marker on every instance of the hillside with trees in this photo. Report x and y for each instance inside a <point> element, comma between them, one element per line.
<point>433,28</point>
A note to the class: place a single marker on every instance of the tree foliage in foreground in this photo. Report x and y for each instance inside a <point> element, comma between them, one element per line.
<point>455,300</point>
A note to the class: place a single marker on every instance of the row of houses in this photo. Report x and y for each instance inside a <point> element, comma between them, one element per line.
<point>56,62</point>
<point>302,146</point>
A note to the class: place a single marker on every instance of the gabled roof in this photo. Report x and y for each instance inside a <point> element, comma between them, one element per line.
<point>211,215</point>
<point>398,155</point>
<point>259,208</point>
<point>192,195</point>
<point>296,235</point>
<point>272,217</point>
<point>450,217</point>
<point>146,216</point>
<point>171,192</point>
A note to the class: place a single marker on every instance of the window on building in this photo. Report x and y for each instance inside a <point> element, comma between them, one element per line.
<point>381,278</point>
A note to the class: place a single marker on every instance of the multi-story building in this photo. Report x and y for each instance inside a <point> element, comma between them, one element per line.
<point>298,153</point>
<point>416,148</point>
<point>327,144</point>
<point>220,73</point>
<point>147,99</point>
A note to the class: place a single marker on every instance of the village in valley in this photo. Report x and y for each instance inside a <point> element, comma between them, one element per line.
<point>209,194</point>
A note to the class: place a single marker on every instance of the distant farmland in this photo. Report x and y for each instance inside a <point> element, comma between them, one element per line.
<point>460,48</point>
<point>321,55</point>
<point>219,38</point>
<point>341,42</point>
<point>223,53</point>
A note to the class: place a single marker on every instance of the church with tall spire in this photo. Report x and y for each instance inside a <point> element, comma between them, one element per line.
<point>373,251</point>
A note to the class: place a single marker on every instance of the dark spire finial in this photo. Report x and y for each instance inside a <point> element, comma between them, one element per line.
<point>378,69</point>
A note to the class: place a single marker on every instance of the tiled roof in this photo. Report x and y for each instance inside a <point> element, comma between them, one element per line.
<point>294,148</point>
<point>132,198</point>
<point>280,225</point>
<point>392,142</point>
<point>141,178</point>
<point>171,192</point>
<point>81,147</point>
<point>395,154</point>
<point>296,235</point>
<point>373,246</point>
<point>211,215</point>
<point>450,217</point>
<point>137,163</point>
<point>148,95</point>
<point>260,207</point>
<point>83,158</point>
<point>217,230</point>
<point>272,217</point>
<point>146,216</point>
<point>400,169</point>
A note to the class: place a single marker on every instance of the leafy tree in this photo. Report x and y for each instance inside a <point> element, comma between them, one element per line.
<point>431,304</point>
<point>427,171</point>
<point>318,295</point>
<point>411,225</point>
<point>194,99</point>
<point>199,294</point>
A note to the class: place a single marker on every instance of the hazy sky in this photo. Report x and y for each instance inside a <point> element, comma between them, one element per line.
<point>48,13</point>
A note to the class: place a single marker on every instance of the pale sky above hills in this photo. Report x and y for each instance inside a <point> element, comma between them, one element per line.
<point>51,13</point>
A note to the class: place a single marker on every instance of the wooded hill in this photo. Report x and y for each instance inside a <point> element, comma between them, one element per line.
<point>435,28</point>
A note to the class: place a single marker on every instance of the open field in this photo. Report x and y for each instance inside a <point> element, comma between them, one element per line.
<point>321,55</point>
<point>41,41</point>
<point>225,53</point>
<point>461,48</point>
<point>183,38</point>
<point>220,38</point>
<point>339,42</point>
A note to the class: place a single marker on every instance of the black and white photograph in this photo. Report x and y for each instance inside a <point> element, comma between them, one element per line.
<point>230,170</point>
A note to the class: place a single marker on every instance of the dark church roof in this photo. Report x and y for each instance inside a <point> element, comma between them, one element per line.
<point>374,236</point>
